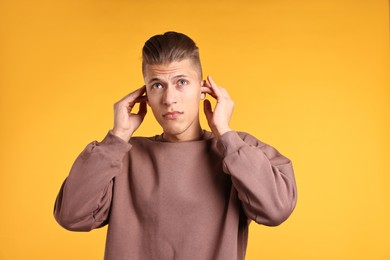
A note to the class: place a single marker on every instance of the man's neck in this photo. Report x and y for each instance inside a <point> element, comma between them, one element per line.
<point>189,135</point>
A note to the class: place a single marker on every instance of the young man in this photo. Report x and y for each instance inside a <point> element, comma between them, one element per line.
<point>187,193</point>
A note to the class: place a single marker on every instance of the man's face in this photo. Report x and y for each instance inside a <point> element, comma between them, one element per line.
<point>174,92</point>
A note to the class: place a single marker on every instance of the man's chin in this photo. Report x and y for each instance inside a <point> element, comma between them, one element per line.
<point>173,131</point>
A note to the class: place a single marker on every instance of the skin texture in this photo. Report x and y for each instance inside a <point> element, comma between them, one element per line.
<point>173,92</point>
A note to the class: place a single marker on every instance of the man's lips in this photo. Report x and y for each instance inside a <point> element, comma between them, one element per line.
<point>172,115</point>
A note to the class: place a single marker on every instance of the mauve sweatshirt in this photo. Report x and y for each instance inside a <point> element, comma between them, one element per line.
<point>177,200</point>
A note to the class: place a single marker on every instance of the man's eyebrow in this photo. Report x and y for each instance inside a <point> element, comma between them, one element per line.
<point>180,76</point>
<point>174,77</point>
<point>154,79</point>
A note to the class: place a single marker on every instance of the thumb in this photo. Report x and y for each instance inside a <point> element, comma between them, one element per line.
<point>207,109</point>
<point>142,109</point>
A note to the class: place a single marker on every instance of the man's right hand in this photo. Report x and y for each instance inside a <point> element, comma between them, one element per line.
<point>125,122</point>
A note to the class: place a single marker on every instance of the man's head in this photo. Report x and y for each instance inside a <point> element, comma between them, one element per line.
<point>173,79</point>
<point>169,47</point>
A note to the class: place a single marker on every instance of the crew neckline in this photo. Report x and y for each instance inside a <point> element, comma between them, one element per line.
<point>207,135</point>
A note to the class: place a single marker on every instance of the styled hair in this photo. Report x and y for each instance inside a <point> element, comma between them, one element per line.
<point>169,47</point>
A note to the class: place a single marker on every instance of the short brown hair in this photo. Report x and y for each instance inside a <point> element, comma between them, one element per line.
<point>168,47</point>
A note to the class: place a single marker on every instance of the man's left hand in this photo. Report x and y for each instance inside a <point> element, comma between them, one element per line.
<point>218,119</point>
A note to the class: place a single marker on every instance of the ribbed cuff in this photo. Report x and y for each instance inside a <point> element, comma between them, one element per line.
<point>230,142</point>
<point>115,143</point>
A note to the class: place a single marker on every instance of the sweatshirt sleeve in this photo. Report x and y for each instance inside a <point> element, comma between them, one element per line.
<point>84,200</point>
<point>263,178</point>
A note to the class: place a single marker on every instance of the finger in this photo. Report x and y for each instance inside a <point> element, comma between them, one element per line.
<point>207,84</point>
<point>212,82</point>
<point>208,91</point>
<point>137,93</point>
<point>141,99</point>
<point>220,91</point>
<point>214,87</point>
<point>207,88</point>
<point>133,95</point>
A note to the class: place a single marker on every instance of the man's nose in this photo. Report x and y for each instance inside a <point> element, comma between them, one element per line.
<point>169,96</point>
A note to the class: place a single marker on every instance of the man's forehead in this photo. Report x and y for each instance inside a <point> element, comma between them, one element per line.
<point>183,67</point>
<point>166,68</point>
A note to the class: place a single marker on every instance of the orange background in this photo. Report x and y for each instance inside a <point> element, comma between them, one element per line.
<point>308,77</point>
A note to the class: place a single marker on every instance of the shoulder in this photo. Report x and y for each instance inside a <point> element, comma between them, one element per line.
<point>250,139</point>
<point>268,149</point>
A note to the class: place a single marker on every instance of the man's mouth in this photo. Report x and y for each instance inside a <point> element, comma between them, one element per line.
<point>172,115</point>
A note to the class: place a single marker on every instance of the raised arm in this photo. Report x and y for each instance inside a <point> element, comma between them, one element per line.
<point>84,200</point>
<point>262,176</point>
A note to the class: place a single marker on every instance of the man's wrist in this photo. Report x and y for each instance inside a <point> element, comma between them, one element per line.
<point>123,135</point>
<point>222,131</point>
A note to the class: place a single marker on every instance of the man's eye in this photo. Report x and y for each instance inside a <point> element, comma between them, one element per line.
<point>156,85</point>
<point>182,82</point>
